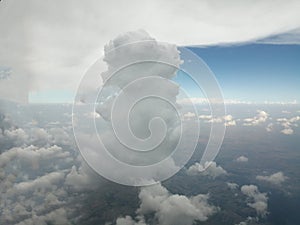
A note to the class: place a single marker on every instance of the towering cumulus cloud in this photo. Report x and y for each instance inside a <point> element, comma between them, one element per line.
<point>137,105</point>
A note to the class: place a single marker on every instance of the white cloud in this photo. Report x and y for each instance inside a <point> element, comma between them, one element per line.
<point>16,135</point>
<point>170,208</point>
<point>44,182</point>
<point>232,186</point>
<point>270,126</point>
<point>205,117</point>
<point>242,159</point>
<point>288,124</point>
<point>57,216</point>
<point>260,118</point>
<point>291,37</point>
<point>209,169</point>
<point>287,131</point>
<point>228,120</point>
<point>127,220</point>
<point>230,123</point>
<point>82,179</point>
<point>32,155</point>
<point>248,221</point>
<point>189,116</point>
<point>276,178</point>
<point>258,200</point>
<point>204,101</point>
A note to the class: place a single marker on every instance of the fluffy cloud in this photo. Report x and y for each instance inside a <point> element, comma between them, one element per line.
<point>287,131</point>
<point>32,155</point>
<point>270,126</point>
<point>127,220</point>
<point>210,169</point>
<point>57,216</point>
<point>242,159</point>
<point>276,178</point>
<point>257,200</point>
<point>288,124</point>
<point>170,208</point>
<point>82,179</point>
<point>248,221</point>
<point>33,177</point>
<point>228,120</point>
<point>260,118</point>
<point>44,182</point>
<point>137,81</point>
<point>232,186</point>
<point>189,116</point>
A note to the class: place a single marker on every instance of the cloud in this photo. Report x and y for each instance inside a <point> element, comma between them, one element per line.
<point>287,131</point>
<point>288,124</point>
<point>242,159</point>
<point>270,126</point>
<point>248,221</point>
<point>32,155</point>
<point>43,182</point>
<point>276,178</point>
<point>44,49</point>
<point>232,186</point>
<point>57,216</point>
<point>170,208</point>
<point>154,121</point>
<point>228,120</point>
<point>204,101</point>
<point>289,38</point>
<point>33,177</point>
<point>257,200</point>
<point>189,116</point>
<point>82,179</point>
<point>260,118</point>
<point>210,169</point>
<point>127,220</point>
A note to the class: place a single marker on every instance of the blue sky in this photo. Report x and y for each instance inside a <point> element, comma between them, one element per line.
<point>252,72</point>
<point>255,72</point>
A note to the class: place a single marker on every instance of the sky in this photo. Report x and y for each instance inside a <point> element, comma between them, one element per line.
<point>247,73</point>
<point>255,72</point>
<point>56,41</point>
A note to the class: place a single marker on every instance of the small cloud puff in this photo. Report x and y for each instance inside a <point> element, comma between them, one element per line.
<point>276,178</point>
<point>209,169</point>
<point>232,186</point>
<point>287,124</point>
<point>260,118</point>
<point>242,159</point>
<point>257,200</point>
<point>228,120</point>
<point>170,208</point>
<point>287,131</point>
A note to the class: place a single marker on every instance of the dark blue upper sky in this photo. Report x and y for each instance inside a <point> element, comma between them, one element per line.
<point>255,72</point>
